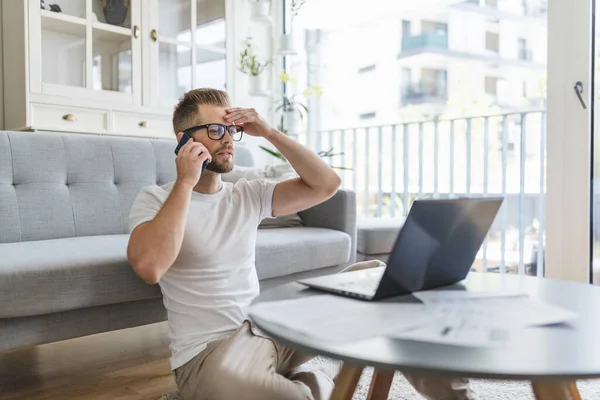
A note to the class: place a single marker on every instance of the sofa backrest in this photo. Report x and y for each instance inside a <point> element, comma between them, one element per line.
<point>57,185</point>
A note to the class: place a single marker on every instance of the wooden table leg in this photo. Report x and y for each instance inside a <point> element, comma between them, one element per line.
<point>380,385</point>
<point>345,382</point>
<point>557,390</point>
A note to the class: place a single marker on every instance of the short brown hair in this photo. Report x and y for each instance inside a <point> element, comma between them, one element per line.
<point>186,111</point>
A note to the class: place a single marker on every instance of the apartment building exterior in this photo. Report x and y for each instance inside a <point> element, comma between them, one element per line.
<point>464,58</point>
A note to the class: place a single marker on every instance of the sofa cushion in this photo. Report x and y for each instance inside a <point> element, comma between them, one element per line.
<point>377,235</point>
<point>284,251</point>
<point>55,186</point>
<point>42,277</point>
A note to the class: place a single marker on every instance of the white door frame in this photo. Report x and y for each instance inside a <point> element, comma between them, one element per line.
<point>569,145</point>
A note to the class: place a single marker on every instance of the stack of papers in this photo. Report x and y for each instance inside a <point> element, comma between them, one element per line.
<point>340,319</point>
<point>445,316</point>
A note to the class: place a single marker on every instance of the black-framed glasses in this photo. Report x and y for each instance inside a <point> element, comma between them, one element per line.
<point>217,131</point>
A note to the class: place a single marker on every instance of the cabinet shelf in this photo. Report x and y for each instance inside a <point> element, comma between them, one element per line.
<point>64,23</point>
<point>110,33</point>
<point>58,22</point>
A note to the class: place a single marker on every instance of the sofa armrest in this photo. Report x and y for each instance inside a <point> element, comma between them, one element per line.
<point>339,213</point>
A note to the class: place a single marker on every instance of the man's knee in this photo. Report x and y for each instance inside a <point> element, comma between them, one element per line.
<point>225,381</point>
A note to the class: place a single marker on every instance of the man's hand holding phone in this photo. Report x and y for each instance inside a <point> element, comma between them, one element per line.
<point>190,160</point>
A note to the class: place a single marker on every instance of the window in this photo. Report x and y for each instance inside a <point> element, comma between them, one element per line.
<point>369,115</point>
<point>525,89</point>
<point>433,82</point>
<point>423,79</point>
<point>491,3</point>
<point>405,28</point>
<point>366,69</point>
<point>492,42</point>
<point>406,76</point>
<point>524,53</point>
<point>436,27</point>
<point>491,85</point>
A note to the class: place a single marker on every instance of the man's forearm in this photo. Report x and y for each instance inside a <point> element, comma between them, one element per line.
<point>155,247</point>
<point>312,170</point>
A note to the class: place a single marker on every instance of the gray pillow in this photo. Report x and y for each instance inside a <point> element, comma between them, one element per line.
<point>278,173</point>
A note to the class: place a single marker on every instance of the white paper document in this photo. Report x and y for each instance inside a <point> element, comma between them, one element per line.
<point>341,319</point>
<point>518,308</point>
<point>461,325</point>
<point>467,319</point>
<point>482,319</point>
<point>444,296</point>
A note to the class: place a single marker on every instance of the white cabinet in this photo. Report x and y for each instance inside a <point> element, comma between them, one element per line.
<point>70,119</point>
<point>108,66</point>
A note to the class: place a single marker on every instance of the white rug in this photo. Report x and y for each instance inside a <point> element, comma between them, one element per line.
<point>486,389</point>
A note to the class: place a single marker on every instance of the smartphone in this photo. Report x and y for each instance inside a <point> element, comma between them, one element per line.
<point>183,141</point>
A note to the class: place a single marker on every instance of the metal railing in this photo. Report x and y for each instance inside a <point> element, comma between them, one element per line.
<point>389,166</point>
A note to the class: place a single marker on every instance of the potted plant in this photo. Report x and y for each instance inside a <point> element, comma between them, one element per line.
<point>292,108</point>
<point>287,45</point>
<point>260,10</point>
<point>292,113</point>
<point>252,66</point>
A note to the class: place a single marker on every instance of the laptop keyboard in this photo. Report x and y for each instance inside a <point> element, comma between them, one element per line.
<point>370,283</point>
<point>366,283</point>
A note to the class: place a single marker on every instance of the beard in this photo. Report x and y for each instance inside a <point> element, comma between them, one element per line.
<point>219,166</point>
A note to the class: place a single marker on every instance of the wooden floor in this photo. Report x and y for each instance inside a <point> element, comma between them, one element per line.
<point>130,364</point>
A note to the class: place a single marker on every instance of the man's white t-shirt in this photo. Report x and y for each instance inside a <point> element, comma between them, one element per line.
<point>210,285</point>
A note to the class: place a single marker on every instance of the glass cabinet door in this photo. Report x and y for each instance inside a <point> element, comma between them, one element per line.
<point>63,43</point>
<point>92,45</point>
<point>113,36</point>
<point>174,50</point>
<point>189,47</point>
<point>210,69</point>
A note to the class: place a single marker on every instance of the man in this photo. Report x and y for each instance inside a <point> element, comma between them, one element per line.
<point>196,237</point>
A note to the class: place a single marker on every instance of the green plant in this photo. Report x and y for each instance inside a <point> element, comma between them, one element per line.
<point>290,103</point>
<point>293,103</point>
<point>249,62</point>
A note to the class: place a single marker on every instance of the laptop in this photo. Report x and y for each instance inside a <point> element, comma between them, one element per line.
<point>436,247</point>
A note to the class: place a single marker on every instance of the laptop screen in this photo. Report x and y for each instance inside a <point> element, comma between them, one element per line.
<point>438,243</point>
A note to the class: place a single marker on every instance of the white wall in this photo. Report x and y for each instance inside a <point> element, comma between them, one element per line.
<point>466,32</point>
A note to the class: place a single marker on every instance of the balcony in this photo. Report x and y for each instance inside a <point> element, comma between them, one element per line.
<point>389,166</point>
<point>424,92</point>
<point>435,40</point>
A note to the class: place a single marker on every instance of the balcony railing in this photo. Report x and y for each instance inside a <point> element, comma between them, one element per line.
<point>426,39</point>
<point>503,155</point>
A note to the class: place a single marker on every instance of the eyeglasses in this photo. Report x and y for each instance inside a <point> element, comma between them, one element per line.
<point>217,131</point>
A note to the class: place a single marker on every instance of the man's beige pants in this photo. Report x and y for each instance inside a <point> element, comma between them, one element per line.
<point>250,365</point>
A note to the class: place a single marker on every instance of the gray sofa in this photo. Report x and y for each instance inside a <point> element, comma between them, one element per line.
<point>64,205</point>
